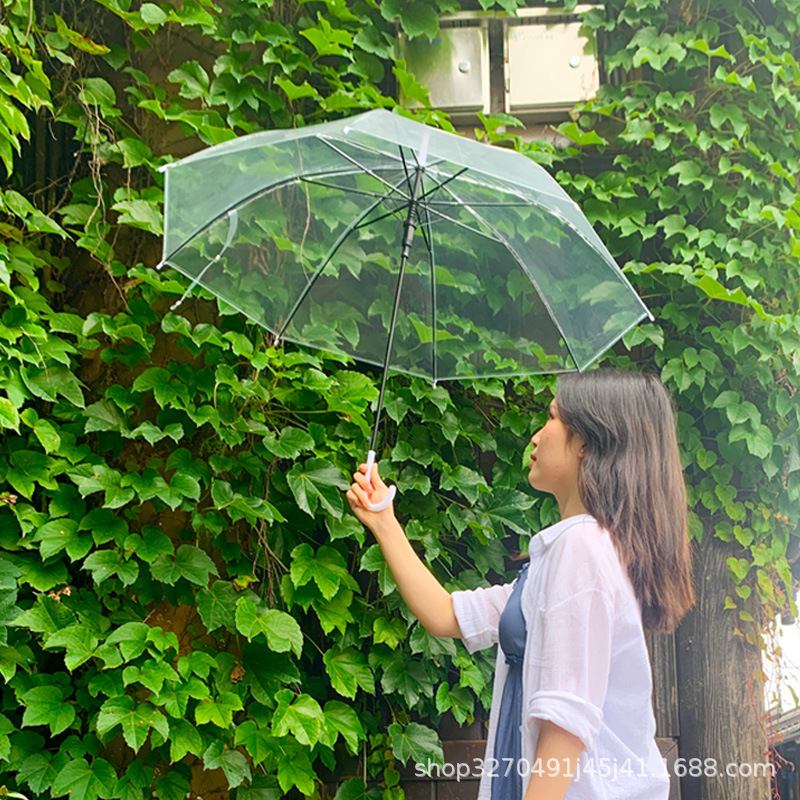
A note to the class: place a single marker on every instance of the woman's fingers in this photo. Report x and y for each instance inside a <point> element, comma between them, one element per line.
<point>361,495</point>
<point>376,478</point>
<point>357,487</point>
<point>356,498</point>
<point>352,499</point>
<point>360,480</point>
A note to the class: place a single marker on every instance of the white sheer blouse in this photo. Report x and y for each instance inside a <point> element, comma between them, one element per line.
<point>586,666</point>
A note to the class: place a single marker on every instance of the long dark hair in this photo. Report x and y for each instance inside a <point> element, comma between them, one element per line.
<point>631,482</point>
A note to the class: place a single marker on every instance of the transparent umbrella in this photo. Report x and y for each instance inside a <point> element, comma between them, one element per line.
<point>400,245</point>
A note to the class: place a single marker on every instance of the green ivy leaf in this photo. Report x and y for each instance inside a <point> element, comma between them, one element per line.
<point>150,545</point>
<point>84,781</point>
<point>217,605</point>
<point>417,19</point>
<point>295,92</point>
<point>417,742</point>
<point>184,738</point>
<point>468,482</point>
<point>134,719</point>
<point>192,78</point>
<point>189,562</point>
<point>405,676</point>
<point>317,483</point>
<point>105,564</point>
<point>44,705</point>
<point>300,717</point>
<point>258,742</point>
<point>54,382</point>
<point>326,568</point>
<point>354,788</point>
<point>152,14</point>
<point>60,534</point>
<point>296,770</point>
<point>389,631</point>
<point>327,41</point>
<point>373,561</point>
<point>131,638</point>
<point>233,763</point>
<point>136,779</point>
<point>78,641</point>
<point>9,416</point>
<point>173,786</point>
<point>39,770</point>
<point>345,721</point>
<point>152,674</point>
<point>345,527</point>
<point>45,616</point>
<point>348,670</point>
<point>279,629</point>
<point>505,508</point>
<point>219,710</point>
<point>291,443</point>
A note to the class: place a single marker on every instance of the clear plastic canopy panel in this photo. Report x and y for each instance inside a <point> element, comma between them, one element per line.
<point>302,231</point>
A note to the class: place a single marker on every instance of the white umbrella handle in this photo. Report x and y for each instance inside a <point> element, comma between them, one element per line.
<point>392,489</point>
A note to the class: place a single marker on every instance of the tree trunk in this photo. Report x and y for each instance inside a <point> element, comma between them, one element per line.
<point>720,702</point>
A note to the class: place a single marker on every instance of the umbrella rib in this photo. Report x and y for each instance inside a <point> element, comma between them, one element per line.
<point>233,221</point>
<point>425,170</point>
<point>442,184</point>
<point>381,217</point>
<point>405,165</point>
<point>239,204</point>
<point>444,217</point>
<point>328,256</point>
<point>519,260</point>
<point>346,189</point>
<point>480,205</point>
<point>374,151</point>
<point>432,258</point>
<point>364,169</point>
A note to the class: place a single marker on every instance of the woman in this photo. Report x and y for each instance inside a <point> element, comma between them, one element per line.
<point>571,713</point>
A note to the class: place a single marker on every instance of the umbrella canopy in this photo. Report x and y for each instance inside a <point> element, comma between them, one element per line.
<point>403,246</point>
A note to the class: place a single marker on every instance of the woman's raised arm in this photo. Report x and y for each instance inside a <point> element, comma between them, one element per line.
<point>427,599</point>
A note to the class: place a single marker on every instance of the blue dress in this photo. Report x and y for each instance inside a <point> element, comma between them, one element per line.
<point>512,633</point>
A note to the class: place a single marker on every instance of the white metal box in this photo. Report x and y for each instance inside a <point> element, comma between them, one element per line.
<point>454,66</point>
<point>549,65</point>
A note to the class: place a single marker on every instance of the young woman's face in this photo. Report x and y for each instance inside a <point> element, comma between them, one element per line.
<point>554,464</point>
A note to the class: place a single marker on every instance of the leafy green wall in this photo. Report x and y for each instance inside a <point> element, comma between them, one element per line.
<point>186,604</point>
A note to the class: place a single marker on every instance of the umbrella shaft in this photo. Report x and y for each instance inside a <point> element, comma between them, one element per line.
<point>408,238</point>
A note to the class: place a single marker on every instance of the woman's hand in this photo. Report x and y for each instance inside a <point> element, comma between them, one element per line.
<point>359,499</point>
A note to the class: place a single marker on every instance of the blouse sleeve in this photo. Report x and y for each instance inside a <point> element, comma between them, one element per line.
<point>573,664</point>
<point>478,613</point>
